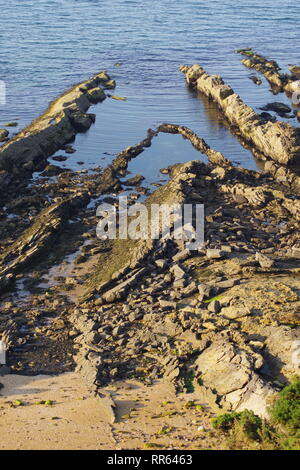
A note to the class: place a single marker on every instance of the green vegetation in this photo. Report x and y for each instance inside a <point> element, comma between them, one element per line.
<point>152,445</point>
<point>248,52</point>
<point>18,403</point>
<point>217,297</point>
<point>200,408</point>
<point>245,430</point>
<point>247,422</point>
<point>225,422</point>
<point>188,381</point>
<point>286,409</point>
<point>164,430</point>
<point>189,404</point>
<point>285,413</point>
<point>48,402</point>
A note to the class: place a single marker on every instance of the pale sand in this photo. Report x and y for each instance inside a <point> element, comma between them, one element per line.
<point>78,420</point>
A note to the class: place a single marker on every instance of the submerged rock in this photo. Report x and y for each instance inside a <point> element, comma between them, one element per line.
<point>11,124</point>
<point>60,158</point>
<point>134,181</point>
<point>53,170</point>
<point>255,79</point>
<point>279,108</point>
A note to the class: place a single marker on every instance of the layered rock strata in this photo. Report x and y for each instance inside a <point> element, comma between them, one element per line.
<point>279,141</point>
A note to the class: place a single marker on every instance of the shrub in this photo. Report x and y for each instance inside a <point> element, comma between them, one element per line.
<point>286,409</point>
<point>225,421</point>
<point>249,423</point>
<point>247,430</point>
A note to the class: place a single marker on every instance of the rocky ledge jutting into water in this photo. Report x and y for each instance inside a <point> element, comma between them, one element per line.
<point>56,127</point>
<point>271,71</point>
<point>276,140</point>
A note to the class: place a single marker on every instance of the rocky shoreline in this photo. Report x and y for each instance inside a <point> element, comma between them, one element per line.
<point>278,141</point>
<point>174,306</point>
<point>220,322</point>
<point>64,118</point>
<point>271,71</point>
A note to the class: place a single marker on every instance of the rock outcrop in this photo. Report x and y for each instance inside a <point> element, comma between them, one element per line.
<point>57,126</point>
<point>277,140</point>
<point>229,368</point>
<point>3,135</point>
<point>271,71</point>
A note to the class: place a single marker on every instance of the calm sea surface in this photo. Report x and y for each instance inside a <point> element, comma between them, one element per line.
<point>45,46</point>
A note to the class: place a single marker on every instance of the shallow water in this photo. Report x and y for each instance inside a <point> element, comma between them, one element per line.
<point>48,45</point>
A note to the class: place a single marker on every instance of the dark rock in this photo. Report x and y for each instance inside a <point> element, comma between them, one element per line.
<point>52,170</point>
<point>68,149</point>
<point>268,117</point>
<point>277,107</point>
<point>60,158</point>
<point>3,135</point>
<point>11,124</point>
<point>134,181</point>
<point>255,79</point>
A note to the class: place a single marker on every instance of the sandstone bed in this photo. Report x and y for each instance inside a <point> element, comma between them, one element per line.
<point>271,71</point>
<point>278,141</point>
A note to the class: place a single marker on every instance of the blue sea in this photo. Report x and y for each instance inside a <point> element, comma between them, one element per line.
<point>46,46</point>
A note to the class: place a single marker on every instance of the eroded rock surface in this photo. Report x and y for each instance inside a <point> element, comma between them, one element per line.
<point>271,70</point>
<point>56,127</point>
<point>277,140</point>
<point>208,320</point>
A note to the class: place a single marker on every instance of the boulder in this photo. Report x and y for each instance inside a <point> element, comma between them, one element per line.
<point>264,261</point>
<point>214,253</point>
<point>3,135</point>
<point>235,312</point>
<point>229,369</point>
<point>280,108</point>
